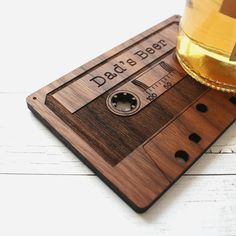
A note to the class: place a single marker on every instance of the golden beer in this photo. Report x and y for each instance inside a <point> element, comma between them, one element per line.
<point>206,45</point>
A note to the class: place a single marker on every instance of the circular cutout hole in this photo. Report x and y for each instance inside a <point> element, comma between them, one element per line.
<point>181,156</point>
<point>233,100</point>
<point>194,137</point>
<point>201,107</point>
<point>35,98</point>
<point>124,102</point>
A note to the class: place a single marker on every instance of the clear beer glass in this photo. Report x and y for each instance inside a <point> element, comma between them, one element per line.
<point>206,46</point>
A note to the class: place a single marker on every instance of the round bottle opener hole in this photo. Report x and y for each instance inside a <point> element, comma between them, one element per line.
<point>123,103</point>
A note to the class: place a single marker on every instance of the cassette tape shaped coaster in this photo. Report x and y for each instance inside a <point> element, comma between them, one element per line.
<point>134,116</point>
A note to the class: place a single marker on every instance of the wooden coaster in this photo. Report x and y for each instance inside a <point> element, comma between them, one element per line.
<point>134,116</point>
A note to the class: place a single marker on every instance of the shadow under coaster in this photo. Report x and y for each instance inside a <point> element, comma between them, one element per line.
<point>134,116</point>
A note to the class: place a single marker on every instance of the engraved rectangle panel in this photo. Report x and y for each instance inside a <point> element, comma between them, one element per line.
<point>115,137</point>
<point>175,140</point>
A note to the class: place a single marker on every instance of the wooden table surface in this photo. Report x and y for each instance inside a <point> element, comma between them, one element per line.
<point>45,189</point>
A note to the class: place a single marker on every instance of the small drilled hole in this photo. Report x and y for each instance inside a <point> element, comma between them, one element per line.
<point>194,137</point>
<point>181,156</point>
<point>233,100</point>
<point>201,107</point>
<point>34,98</point>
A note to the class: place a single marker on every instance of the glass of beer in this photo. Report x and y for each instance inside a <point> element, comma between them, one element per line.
<point>206,46</point>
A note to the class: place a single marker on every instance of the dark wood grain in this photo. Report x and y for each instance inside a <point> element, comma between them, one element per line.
<point>142,152</point>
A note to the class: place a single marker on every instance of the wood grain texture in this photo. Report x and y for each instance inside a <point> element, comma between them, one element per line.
<point>143,165</point>
<point>45,189</point>
<point>39,153</point>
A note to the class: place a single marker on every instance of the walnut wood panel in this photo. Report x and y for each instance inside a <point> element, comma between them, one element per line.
<point>142,148</point>
<point>95,123</point>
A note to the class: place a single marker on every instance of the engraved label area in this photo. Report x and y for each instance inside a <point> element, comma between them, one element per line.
<point>116,69</point>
